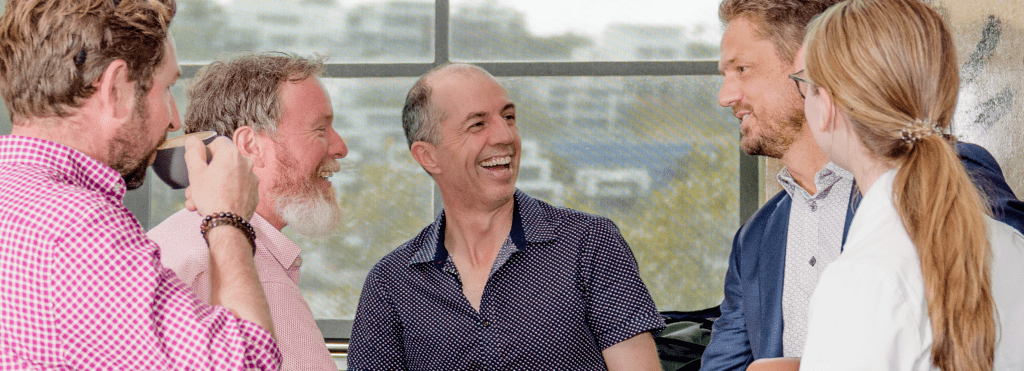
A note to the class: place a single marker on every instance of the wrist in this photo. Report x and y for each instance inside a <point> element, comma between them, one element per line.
<point>228,219</point>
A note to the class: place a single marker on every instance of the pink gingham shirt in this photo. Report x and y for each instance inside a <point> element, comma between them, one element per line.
<point>82,288</point>
<point>277,262</point>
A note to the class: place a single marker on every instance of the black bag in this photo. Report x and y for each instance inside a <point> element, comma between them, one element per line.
<point>685,337</point>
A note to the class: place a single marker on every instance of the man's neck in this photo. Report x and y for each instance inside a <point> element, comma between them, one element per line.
<point>804,159</point>
<point>266,211</point>
<point>69,132</point>
<point>476,235</point>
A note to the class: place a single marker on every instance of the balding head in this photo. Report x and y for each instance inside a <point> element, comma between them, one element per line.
<point>420,116</point>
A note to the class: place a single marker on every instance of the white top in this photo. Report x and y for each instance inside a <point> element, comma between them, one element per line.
<point>869,310</point>
<point>813,241</point>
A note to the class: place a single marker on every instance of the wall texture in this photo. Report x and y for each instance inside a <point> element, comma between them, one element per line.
<point>989,36</point>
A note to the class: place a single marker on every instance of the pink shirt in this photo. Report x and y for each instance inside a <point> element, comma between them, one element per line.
<point>82,288</point>
<point>277,262</point>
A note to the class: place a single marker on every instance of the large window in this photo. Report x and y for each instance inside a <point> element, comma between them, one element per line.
<point>617,108</point>
<point>617,105</point>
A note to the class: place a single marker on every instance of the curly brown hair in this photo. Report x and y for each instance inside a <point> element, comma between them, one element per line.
<point>52,52</point>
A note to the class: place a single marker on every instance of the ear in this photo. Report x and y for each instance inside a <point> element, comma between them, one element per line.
<point>826,113</point>
<point>249,145</point>
<point>831,115</point>
<point>426,155</point>
<point>116,93</point>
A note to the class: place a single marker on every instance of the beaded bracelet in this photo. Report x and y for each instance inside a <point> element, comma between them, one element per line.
<point>226,218</point>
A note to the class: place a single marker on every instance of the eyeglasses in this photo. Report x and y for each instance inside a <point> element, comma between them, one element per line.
<point>801,83</point>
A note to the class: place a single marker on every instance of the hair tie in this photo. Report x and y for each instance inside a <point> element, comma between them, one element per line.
<point>80,57</point>
<point>913,131</point>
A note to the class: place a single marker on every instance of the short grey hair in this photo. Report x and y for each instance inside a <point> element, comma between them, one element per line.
<point>244,91</point>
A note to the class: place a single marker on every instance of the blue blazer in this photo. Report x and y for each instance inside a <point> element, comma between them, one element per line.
<point>751,323</point>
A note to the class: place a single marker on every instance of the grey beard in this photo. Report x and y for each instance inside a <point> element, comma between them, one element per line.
<point>311,216</point>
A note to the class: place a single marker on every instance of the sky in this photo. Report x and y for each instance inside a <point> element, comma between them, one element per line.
<point>550,17</point>
<point>590,17</point>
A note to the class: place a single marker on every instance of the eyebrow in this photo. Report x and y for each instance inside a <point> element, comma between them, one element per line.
<point>723,64</point>
<point>473,115</point>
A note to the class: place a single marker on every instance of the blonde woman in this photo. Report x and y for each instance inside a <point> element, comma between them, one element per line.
<point>926,280</point>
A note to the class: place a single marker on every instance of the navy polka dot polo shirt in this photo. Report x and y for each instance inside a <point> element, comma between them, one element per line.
<point>564,287</point>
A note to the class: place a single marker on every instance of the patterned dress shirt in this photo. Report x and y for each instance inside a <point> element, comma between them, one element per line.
<point>814,240</point>
<point>564,287</point>
<point>184,251</point>
<point>82,288</point>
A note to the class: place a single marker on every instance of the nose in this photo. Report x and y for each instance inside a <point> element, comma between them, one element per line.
<point>175,124</point>
<point>335,145</point>
<point>502,132</point>
<point>729,94</point>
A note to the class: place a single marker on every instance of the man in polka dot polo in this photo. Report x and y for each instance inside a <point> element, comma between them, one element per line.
<point>500,280</point>
<point>87,83</point>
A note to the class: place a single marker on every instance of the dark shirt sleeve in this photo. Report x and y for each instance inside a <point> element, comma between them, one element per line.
<point>618,304</point>
<point>988,177</point>
<point>376,342</point>
<point>729,348</point>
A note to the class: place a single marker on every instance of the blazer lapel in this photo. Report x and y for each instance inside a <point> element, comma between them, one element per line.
<point>771,265</point>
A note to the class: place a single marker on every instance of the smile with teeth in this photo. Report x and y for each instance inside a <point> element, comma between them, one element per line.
<point>497,161</point>
<point>325,174</point>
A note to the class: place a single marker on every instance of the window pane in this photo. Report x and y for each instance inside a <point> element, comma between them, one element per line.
<point>601,30</point>
<point>657,155</point>
<point>349,31</point>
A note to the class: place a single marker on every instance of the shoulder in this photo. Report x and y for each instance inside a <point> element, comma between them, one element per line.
<point>400,258</point>
<point>1007,246</point>
<point>564,219</point>
<point>882,265</point>
<point>182,248</point>
<point>40,198</point>
<point>757,223</point>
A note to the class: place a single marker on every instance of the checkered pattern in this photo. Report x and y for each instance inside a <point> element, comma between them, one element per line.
<point>82,288</point>
<point>277,259</point>
<point>564,287</point>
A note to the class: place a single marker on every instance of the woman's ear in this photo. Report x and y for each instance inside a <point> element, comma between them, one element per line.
<point>426,155</point>
<point>828,110</point>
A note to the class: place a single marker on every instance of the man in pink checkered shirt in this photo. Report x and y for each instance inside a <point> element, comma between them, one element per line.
<point>87,83</point>
<point>281,118</point>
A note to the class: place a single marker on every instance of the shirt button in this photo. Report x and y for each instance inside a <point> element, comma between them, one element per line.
<point>486,323</point>
<point>813,261</point>
<point>814,206</point>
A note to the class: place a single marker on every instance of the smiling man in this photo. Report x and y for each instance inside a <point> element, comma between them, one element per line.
<point>279,115</point>
<point>499,280</point>
<point>779,253</point>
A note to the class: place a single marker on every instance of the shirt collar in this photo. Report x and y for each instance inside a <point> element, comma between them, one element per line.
<point>823,180</point>
<point>271,239</point>
<point>530,225</point>
<point>75,167</point>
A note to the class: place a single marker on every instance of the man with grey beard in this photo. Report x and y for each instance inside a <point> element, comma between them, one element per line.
<point>279,115</point>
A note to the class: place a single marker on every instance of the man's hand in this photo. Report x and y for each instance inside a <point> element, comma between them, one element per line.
<point>226,184</point>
